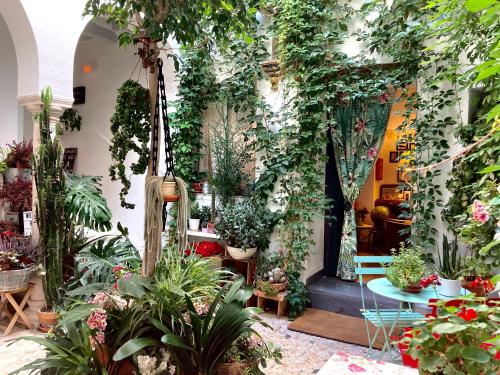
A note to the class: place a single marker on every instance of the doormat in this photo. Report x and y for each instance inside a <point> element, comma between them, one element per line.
<point>337,327</point>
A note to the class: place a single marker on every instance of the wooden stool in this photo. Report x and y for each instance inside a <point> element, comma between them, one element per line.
<point>279,297</point>
<point>8,298</point>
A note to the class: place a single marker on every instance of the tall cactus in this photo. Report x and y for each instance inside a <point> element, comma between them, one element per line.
<point>50,212</point>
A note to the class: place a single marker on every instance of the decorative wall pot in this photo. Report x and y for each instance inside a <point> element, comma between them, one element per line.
<point>449,288</point>
<point>194,224</point>
<point>240,254</point>
<point>169,191</point>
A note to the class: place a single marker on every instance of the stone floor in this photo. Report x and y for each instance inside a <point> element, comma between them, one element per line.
<point>302,354</point>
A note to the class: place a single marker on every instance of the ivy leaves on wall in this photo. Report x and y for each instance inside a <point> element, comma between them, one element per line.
<point>71,119</point>
<point>130,127</point>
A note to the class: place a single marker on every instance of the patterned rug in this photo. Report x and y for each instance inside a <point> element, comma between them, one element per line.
<point>343,364</point>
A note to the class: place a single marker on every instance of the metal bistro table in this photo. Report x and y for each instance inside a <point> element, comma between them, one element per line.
<point>383,287</point>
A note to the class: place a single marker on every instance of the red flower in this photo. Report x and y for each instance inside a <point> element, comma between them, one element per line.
<point>437,336</point>
<point>486,345</point>
<point>497,355</point>
<point>117,269</point>
<point>383,98</point>
<point>467,314</point>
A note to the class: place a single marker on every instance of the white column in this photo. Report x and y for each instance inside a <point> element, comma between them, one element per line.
<point>33,104</point>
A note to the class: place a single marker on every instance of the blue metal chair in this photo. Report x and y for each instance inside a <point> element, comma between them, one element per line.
<point>385,320</point>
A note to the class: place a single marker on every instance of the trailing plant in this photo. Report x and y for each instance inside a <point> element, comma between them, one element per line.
<point>20,154</point>
<point>130,126</point>
<point>71,119</point>
<point>196,90</point>
<point>51,213</point>
<point>246,224</point>
<point>450,262</point>
<point>407,268</point>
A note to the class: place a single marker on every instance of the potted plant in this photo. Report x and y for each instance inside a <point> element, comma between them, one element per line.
<point>406,270</point>
<point>450,267</point>
<point>461,339</point>
<point>246,354</point>
<point>17,260</point>
<point>194,217</point>
<point>475,269</point>
<point>18,160</point>
<point>205,216</point>
<point>245,226</point>
<point>50,212</point>
<point>273,281</point>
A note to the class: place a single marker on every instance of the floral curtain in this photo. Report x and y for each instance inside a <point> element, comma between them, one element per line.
<point>357,133</point>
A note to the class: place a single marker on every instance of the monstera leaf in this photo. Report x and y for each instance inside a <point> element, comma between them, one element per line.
<point>85,204</point>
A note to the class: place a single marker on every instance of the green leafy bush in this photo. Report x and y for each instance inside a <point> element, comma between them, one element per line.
<point>246,224</point>
<point>407,268</point>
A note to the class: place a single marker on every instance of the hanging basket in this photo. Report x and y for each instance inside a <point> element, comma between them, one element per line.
<point>169,191</point>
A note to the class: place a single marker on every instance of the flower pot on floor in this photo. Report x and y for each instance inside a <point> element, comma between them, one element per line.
<point>48,320</point>
<point>449,288</point>
<point>169,191</point>
<point>240,254</point>
<point>194,224</point>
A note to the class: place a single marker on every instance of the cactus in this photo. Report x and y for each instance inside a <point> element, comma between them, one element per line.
<point>276,275</point>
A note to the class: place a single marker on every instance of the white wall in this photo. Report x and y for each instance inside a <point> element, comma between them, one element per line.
<point>114,66</point>
<point>9,109</point>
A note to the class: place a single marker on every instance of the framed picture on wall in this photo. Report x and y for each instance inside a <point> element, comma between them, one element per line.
<point>393,157</point>
<point>402,146</point>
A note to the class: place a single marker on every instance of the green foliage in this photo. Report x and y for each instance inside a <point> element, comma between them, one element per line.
<point>71,119</point>
<point>68,351</point>
<point>407,268</point>
<point>85,204</point>
<point>95,262</point>
<point>195,211</point>
<point>188,22</point>
<point>246,224</point>
<point>451,263</point>
<point>199,343</point>
<point>461,340</point>
<point>297,298</point>
<point>177,276</point>
<point>51,213</point>
<point>130,126</point>
<point>196,90</point>
<point>205,216</point>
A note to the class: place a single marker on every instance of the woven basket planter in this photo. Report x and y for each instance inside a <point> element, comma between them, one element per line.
<point>15,279</point>
<point>277,287</point>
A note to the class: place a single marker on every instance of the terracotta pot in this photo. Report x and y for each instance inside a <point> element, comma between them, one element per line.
<point>229,369</point>
<point>168,191</point>
<point>47,319</point>
<point>196,187</point>
<point>240,254</point>
<point>413,289</point>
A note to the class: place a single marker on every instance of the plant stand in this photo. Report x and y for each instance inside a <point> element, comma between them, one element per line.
<point>279,297</point>
<point>245,267</point>
<point>9,299</point>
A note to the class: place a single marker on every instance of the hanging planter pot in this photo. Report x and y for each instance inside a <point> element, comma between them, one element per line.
<point>169,191</point>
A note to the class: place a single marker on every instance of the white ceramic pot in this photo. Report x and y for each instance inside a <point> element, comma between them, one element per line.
<point>240,254</point>
<point>449,288</point>
<point>194,224</point>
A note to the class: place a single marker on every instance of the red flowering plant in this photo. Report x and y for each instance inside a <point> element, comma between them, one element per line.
<point>205,249</point>
<point>461,339</point>
<point>18,194</point>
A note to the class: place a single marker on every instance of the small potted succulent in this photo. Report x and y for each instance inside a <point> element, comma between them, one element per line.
<point>205,216</point>
<point>194,218</point>
<point>406,270</point>
<point>450,268</point>
<point>18,160</point>
<point>245,225</point>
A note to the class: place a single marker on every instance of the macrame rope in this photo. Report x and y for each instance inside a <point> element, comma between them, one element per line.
<point>154,220</point>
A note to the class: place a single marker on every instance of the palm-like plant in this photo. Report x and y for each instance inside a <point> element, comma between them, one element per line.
<point>199,343</point>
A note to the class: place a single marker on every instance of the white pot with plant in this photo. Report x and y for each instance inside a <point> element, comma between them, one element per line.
<point>245,226</point>
<point>17,160</point>
<point>194,217</point>
<point>449,269</point>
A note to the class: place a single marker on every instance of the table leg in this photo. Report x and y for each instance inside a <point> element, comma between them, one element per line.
<point>19,311</point>
<point>260,303</point>
<point>281,308</point>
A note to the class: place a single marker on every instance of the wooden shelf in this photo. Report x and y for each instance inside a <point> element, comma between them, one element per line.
<point>194,233</point>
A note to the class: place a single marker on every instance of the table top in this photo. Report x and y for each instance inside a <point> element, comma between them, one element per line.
<point>384,288</point>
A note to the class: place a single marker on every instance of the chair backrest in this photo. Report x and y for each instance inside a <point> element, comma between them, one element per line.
<point>360,270</point>
<point>379,259</point>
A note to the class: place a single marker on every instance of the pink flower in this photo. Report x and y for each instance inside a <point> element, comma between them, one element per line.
<point>97,319</point>
<point>127,276</point>
<point>360,125</point>
<point>372,153</point>
<point>383,98</point>
<point>480,212</point>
